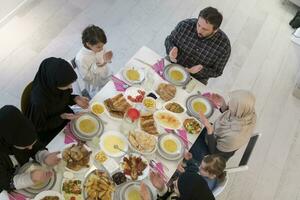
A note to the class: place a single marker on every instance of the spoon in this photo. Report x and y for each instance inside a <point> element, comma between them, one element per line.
<point>117,147</point>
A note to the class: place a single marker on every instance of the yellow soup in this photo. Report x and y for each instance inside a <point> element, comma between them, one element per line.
<point>134,194</point>
<point>199,106</point>
<point>133,75</point>
<point>112,140</point>
<point>98,109</point>
<point>176,75</point>
<point>170,145</point>
<point>87,126</point>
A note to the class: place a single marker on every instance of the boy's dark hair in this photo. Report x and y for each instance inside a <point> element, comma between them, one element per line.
<point>93,35</point>
<point>212,16</point>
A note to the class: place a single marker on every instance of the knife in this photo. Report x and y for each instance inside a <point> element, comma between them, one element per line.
<point>141,61</point>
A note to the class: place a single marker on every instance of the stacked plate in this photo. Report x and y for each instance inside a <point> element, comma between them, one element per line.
<point>131,190</point>
<point>196,103</point>
<point>36,189</point>
<point>170,146</point>
<point>176,74</point>
<point>87,126</point>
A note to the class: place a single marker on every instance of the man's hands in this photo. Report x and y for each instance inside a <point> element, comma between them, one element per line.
<point>173,54</point>
<point>157,181</point>
<point>195,69</point>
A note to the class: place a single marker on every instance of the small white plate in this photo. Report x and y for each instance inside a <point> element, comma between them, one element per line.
<point>141,71</point>
<point>98,103</point>
<point>133,91</point>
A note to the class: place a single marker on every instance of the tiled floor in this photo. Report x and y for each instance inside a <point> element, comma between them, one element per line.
<point>263,60</point>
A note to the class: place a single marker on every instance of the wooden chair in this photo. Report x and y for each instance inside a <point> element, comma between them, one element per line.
<point>242,166</point>
<point>25,98</point>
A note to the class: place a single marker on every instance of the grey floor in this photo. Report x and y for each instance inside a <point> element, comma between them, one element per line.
<point>263,60</point>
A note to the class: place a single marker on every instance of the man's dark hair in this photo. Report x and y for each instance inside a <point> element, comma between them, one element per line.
<point>93,35</point>
<point>212,16</point>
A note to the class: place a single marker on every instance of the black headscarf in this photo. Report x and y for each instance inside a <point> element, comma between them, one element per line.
<point>192,186</point>
<point>53,73</point>
<point>15,129</point>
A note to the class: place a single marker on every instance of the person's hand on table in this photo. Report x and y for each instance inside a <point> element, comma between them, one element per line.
<point>173,54</point>
<point>52,159</point>
<point>195,69</point>
<point>204,120</point>
<point>38,176</point>
<point>145,194</point>
<point>82,102</point>
<point>69,116</point>
<point>218,100</point>
<point>157,181</point>
<point>180,167</point>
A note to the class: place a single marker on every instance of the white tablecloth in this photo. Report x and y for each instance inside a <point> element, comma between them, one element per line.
<point>149,56</point>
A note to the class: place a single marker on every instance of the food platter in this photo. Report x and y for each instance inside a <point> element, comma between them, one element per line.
<point>98,185</point>
<point>77,157</point>
<point>176,74</point>
<point>174,107</point>
<point>72,189</point>
<point>34,190</point>
<point>133,75</point>
<point>135,166</point>
<point>195,103</point>
<point>111,138</point>
<point>170,146</point>
<point>192,125</point>
<point>87,126</point>
<point>135,94</point>
<point>131,190</point>
<point>49,193</point>
<point>142,142</point>
<point>167,119</point>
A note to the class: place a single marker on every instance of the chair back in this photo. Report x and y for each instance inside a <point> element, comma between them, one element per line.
<point>220,187</point>
<point>25,98</point>
<point>242,166</point>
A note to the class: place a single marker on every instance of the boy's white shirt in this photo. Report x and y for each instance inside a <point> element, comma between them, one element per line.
<point>86,61</point>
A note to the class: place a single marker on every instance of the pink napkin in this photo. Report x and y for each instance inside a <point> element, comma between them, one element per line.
<point>182,133</point>
<point>169,130</point>
<point>69,137</point>
<point>208,96</point>
<point>120,85</point>
<point>159,67</point>
<point>16,196</point>
<point>160,167</point>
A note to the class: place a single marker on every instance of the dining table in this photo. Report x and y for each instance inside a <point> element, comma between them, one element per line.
<point>144,58</point>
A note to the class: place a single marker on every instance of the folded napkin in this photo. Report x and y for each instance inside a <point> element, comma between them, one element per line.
<point>120,85</point>
<point>208,95</point>
<point>16,196</point>
<point>69,136</point>
<point>159,67</point>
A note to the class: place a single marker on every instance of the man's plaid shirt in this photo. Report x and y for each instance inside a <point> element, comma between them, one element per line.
<point>212,52</point>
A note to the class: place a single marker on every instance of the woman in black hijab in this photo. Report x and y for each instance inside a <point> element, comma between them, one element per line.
<point>18,143</point>
<point>188,186</point>
<point>51,97</point>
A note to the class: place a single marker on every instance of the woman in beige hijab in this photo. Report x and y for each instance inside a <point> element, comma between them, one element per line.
<point>231,130</point>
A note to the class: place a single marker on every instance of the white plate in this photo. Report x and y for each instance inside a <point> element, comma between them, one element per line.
<point>145,171</point>
<point>141,71</point>
<point>101,104</point>
<point>133,91</point>
<point>106,136</point>
<point>83,170</point>
<point>48,193</point>
<point>165,125</point>
<point>89,117</point>
<point>174,139</point>
<point>147,153</point>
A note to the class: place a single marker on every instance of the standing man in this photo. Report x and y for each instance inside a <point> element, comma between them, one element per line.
<point>199,45</point>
